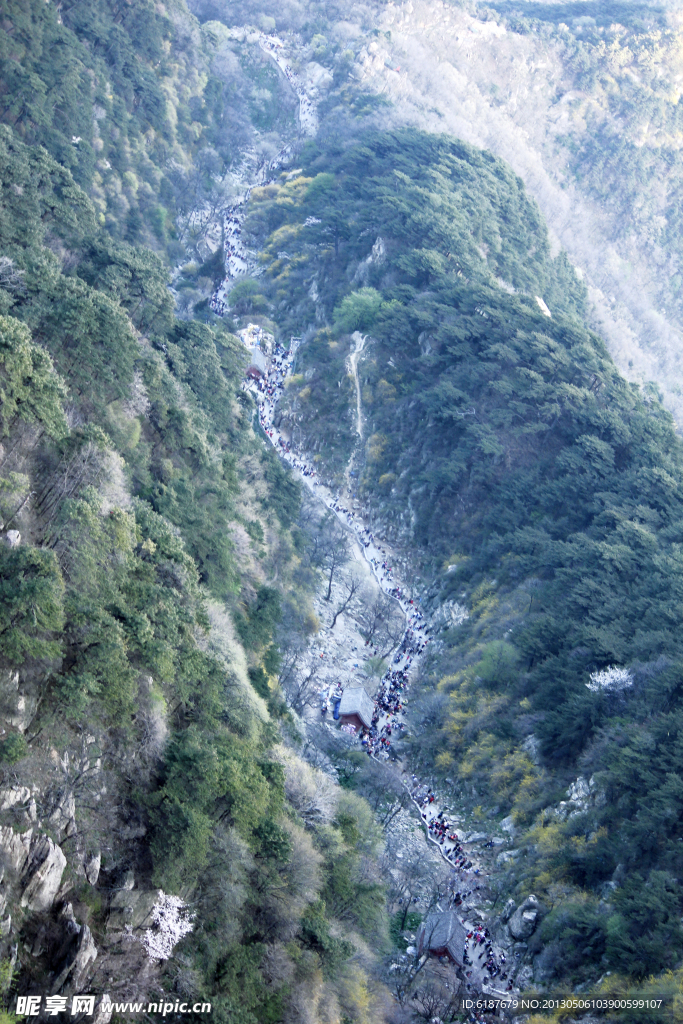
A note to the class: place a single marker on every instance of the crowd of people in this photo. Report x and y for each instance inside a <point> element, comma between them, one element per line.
<point>391,699</point>
<point>479,942</point>
<point>237,258</point>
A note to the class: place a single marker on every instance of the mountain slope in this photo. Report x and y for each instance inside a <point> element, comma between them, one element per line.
<point>531,482</point>
<point>149,541</point>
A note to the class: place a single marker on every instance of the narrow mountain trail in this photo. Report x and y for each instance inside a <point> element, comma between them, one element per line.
<point>390,701</point>
<point>359,340</point>
<point>487,973</point>
<point>239,260</point>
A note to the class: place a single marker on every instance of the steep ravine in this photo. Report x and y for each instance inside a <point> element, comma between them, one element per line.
<point>446,71</point>
<point>336,657</point>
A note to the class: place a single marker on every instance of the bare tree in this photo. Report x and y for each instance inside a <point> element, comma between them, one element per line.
<point>383,790</point>
<point>411,878</point>
<point>330,550</point>
<point>300,687</point>
<point>352,588</point>
<point>383,624</point>
<point>436,999</point>
<point>11,277</point>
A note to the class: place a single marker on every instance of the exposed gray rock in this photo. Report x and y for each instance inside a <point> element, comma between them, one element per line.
<point>92,867</point>
<point>508,825</point>
<point>14,848</point>
<point>508,856</point>
<point>67,915</point>
<point>524,920</point>
<point>20,715</point>
<point>508,910</point>
<point>86,954</point>
<point>81,955</point>
<point>582,795</point>
<point>130,909</point>
<point>103,1016</point>
<point>476,837</point>
<point>63,811</point>
<point>532,747</point>
<point>12,538</point>
<point>13,796</point>
<point>449,615</point>
<point>42,874</point>
<point>525,977</point>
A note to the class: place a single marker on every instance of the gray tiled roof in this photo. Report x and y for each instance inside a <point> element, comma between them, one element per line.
<point>443,931</point>
<point>355,701</point>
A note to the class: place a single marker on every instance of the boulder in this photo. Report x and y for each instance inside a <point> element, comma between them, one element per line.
<point>63,811</point>
<point>103,1010</point>
<point>81,955</point>
<point>67,915</point>
<point>449,615</point>
<point>582,795</point>
<point>13,796</point>
<point>131,909</point>
<point>42,874</point>
<point>476,837</point>
<point>92,867</point>
<point>22,713</point>
<point>508,910</point>
<point>532,747</point>
<point>524,920</point>
<point>508,825</point>
<point>86,954</point>
<point>508,857</point>
<point>14,848</point>
<point>12,538</point>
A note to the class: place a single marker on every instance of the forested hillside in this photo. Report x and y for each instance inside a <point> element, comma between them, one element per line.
<point>156,565</point>
<point>538,489</point>
<point>149,541</point>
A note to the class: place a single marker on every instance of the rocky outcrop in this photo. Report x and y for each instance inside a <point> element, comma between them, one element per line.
<point>508,911</point>
<point>63,811</point>
<point>81,953</point>
<point>449,615</point>
<point>92,867</point>
<point>14,848</point>
<point>17,709</point>
<point>86,954</point>
<point>42,874</point>
<point>130,909</point>
<point>523,922</point>
<point>103,1010</point>
<point>15,795</point>
<point>582,795</point>
<point>37,862</point>
<point>508,856</point>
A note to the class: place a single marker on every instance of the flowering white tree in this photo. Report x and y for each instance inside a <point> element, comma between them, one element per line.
<point>171,922</point>
<point>611,678</point>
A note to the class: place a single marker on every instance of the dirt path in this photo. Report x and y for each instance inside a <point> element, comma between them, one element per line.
<point>359,340</point>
